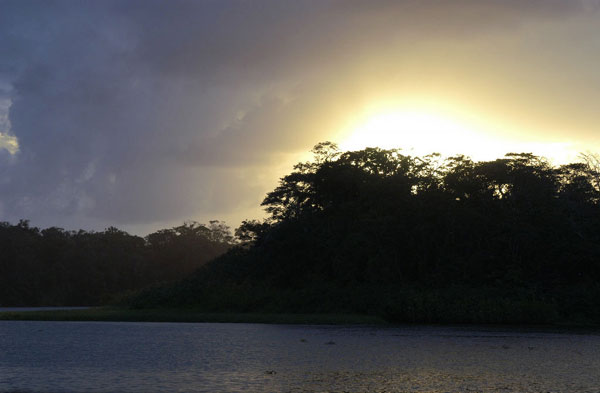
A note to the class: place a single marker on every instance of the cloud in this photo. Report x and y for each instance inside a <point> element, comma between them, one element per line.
<point>147,112</point>
<point>9,143</point>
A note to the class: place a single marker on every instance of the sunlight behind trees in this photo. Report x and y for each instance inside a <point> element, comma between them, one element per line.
<point>413,239</point>
<point>420,130</point>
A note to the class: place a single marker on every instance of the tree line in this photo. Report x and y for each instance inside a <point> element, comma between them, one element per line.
<point>45,267</point>
<point>426,239</point>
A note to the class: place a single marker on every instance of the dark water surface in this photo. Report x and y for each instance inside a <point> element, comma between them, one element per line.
<point>211,357</point>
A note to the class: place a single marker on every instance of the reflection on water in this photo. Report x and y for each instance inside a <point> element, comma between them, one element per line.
<point>165,357</point>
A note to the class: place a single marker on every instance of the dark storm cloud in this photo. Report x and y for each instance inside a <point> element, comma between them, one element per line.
<point>140,111</point>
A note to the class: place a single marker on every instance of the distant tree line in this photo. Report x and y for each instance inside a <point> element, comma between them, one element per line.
<point>43,267</point>
<point>377,231</point>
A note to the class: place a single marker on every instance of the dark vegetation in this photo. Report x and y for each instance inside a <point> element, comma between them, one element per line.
<point>414,239</point>
<point>372,232</point>
<point>57,267</point>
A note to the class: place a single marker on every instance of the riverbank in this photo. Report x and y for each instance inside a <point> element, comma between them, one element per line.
<point>186,315</point>
<point>118,314</point>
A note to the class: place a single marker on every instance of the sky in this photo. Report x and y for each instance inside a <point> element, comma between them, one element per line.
<point>145,114</point>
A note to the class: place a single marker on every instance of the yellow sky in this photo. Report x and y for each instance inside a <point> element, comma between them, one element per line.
<point>425,127</point>
<point>527,84</point>
<point>531,87</point>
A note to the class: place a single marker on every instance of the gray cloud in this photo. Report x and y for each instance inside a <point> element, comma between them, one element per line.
<point>133,112</point>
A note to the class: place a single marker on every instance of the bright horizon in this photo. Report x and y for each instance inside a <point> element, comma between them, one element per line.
<point>421,131</point>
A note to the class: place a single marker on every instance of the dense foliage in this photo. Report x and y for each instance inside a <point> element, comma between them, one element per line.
<point>57,267</point>
<point>414,239</point>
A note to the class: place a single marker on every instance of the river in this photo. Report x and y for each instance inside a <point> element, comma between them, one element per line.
<point>220,357</point>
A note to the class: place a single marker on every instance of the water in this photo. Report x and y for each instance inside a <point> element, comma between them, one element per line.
<point>209,357</point>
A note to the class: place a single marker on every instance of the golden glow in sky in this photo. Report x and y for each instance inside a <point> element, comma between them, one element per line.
<point>9,143</point>
<point>420,131</point>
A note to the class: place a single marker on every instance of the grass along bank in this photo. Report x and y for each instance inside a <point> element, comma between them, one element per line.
<point>185,315</point>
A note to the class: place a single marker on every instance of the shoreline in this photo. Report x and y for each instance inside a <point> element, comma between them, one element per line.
<point>113,314</point>
<point>174,315</point>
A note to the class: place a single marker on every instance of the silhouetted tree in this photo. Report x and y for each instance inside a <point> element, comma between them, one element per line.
<point>379,231</point>
<point>57,267</point>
